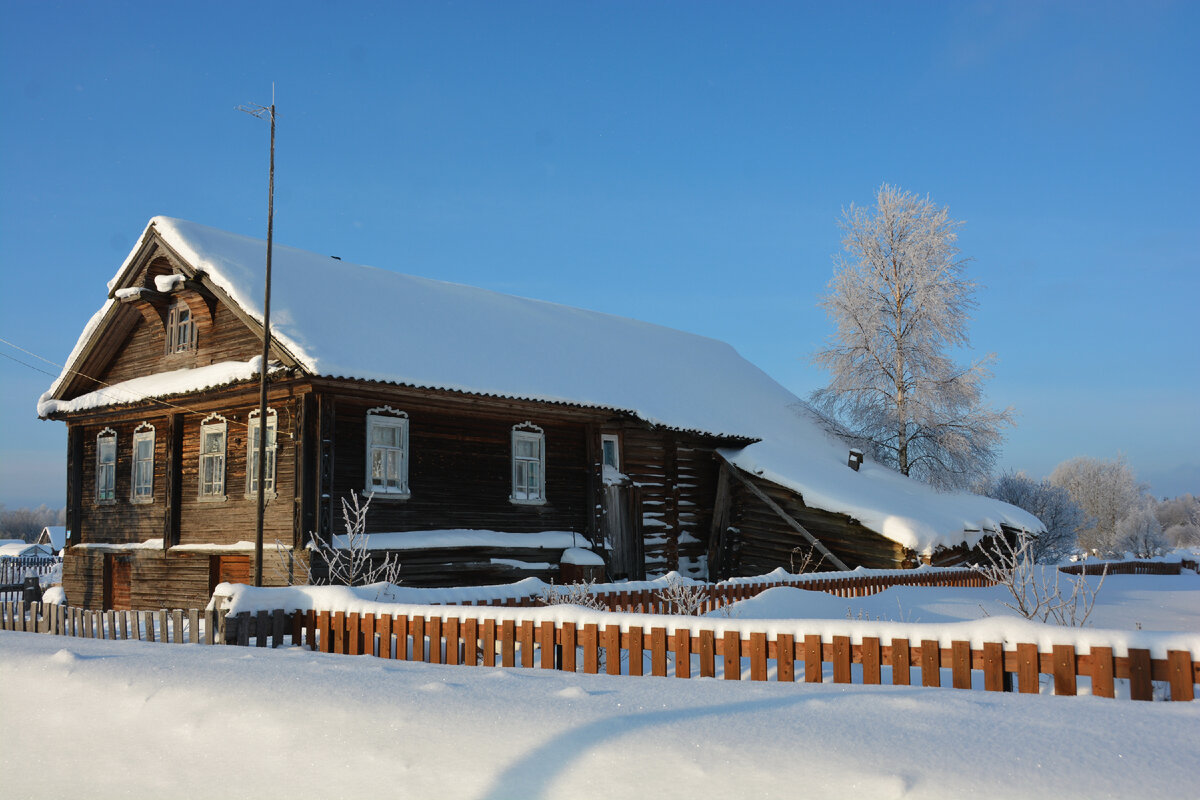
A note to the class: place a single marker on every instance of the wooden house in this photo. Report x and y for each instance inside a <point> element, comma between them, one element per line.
<point>493,432</point>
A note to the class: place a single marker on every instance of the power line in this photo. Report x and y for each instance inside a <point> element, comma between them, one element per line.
<point>134,396</point>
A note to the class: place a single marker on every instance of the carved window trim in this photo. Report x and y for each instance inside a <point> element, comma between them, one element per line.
<point>252,428</point>
<point>141,471</point>
<point>528,465</point>
<point>213,463</point>
<point>386,458</point>
<point>181,328</point>
<point>106,467</point>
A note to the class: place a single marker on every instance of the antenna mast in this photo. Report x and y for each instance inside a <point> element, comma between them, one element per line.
<point>261,112</point>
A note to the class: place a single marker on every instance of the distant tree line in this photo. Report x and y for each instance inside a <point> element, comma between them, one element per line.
<point>1097,506</point>
<point>27,523</point>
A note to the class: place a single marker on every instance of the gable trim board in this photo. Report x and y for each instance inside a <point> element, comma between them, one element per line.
<point>471,355</point>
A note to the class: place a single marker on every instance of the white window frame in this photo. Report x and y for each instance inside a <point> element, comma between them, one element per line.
<point>214,424</point>
<point>252,426</point>
<point>141,487</point>
<point>616,443</point>
<point>386,417</point>
<point>181,330</point>
<point>106,470</point>
<point>523,467</point>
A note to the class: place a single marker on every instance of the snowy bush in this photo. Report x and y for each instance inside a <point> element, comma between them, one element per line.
<point>1141,534</point>
<point>348,562</point>
<point>1052,504</point>
<point>572,594</point>
<point>1039,592</point>
<point>1107,491</point>
<point>1180,519</point>
<point>684,598</point>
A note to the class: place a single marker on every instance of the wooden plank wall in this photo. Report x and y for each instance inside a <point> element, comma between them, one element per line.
<point>199,521</point>
<point>676,475</point>
<point>144,350</point>
<point>460,467</point>
<point>765,542</point>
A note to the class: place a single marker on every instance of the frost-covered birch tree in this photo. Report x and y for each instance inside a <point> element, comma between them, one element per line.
<point>900,301</point>
<point>1107,491</point>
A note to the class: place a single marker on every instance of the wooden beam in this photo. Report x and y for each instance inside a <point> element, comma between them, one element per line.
<point>771,504</point>
<point>717,569</point>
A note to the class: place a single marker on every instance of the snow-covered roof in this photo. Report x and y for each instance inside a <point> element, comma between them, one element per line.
<point>16,548</point>
<point>55,536</point>
<point>339,319</point>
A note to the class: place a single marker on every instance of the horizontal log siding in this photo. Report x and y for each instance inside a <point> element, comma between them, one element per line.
<point>460,468</point>
<point>156,579</point>
<point>233,519</point>
<point>697,489</point>
<point>765,541</point>
<point>83,577</point>
<point>122,521</point>
<point>201,522</point>
<point>645,459</point>
<point>144,350</point>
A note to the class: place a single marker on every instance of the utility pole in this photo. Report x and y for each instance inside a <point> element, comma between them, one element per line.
<point>260,112</point>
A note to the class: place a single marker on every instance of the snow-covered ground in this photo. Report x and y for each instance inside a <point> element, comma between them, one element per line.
<point>153,720</point>
<point>1124,602</point>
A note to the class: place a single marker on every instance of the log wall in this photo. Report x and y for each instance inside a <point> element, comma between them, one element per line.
<point>763,541</point>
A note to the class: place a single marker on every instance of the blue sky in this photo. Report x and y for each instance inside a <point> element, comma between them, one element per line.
<point>682,163</point>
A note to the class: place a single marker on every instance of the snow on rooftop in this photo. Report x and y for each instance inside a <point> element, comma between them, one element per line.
<point>162,384</point>
<point>336,319</point>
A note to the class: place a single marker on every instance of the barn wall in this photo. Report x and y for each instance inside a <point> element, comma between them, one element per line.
<point>764,542</point>
<point>460,466</point>
<point>144,350</point>
<point>675,475</point>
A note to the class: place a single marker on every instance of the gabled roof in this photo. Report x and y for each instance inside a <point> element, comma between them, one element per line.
<point>338,319</point>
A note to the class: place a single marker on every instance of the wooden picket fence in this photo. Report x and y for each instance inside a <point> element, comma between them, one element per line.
<point>691,648</point>
<point>712,596</point>
<point>1127,568</point>
<point>14,571</point>
<point>178,626</point>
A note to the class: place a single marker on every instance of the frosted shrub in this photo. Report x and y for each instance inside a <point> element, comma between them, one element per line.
<point>681,598</point>
<point>1141,533</point>
<point>1051,504</point>
<point>352,564</point>
<point>572,594</point>
<point>1039,592</point>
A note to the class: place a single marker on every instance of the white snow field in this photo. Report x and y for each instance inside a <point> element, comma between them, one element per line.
<point>103,719</point>
<point>99,719</point>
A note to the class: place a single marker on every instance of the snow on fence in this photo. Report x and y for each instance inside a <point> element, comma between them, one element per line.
<point>1128,567</point>
<point>641,645</point>
<point>648,597</point>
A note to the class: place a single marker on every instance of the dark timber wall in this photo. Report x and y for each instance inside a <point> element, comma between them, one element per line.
<point>763,541</point>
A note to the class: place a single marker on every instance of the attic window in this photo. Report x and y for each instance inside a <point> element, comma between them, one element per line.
<point>181,329</point>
